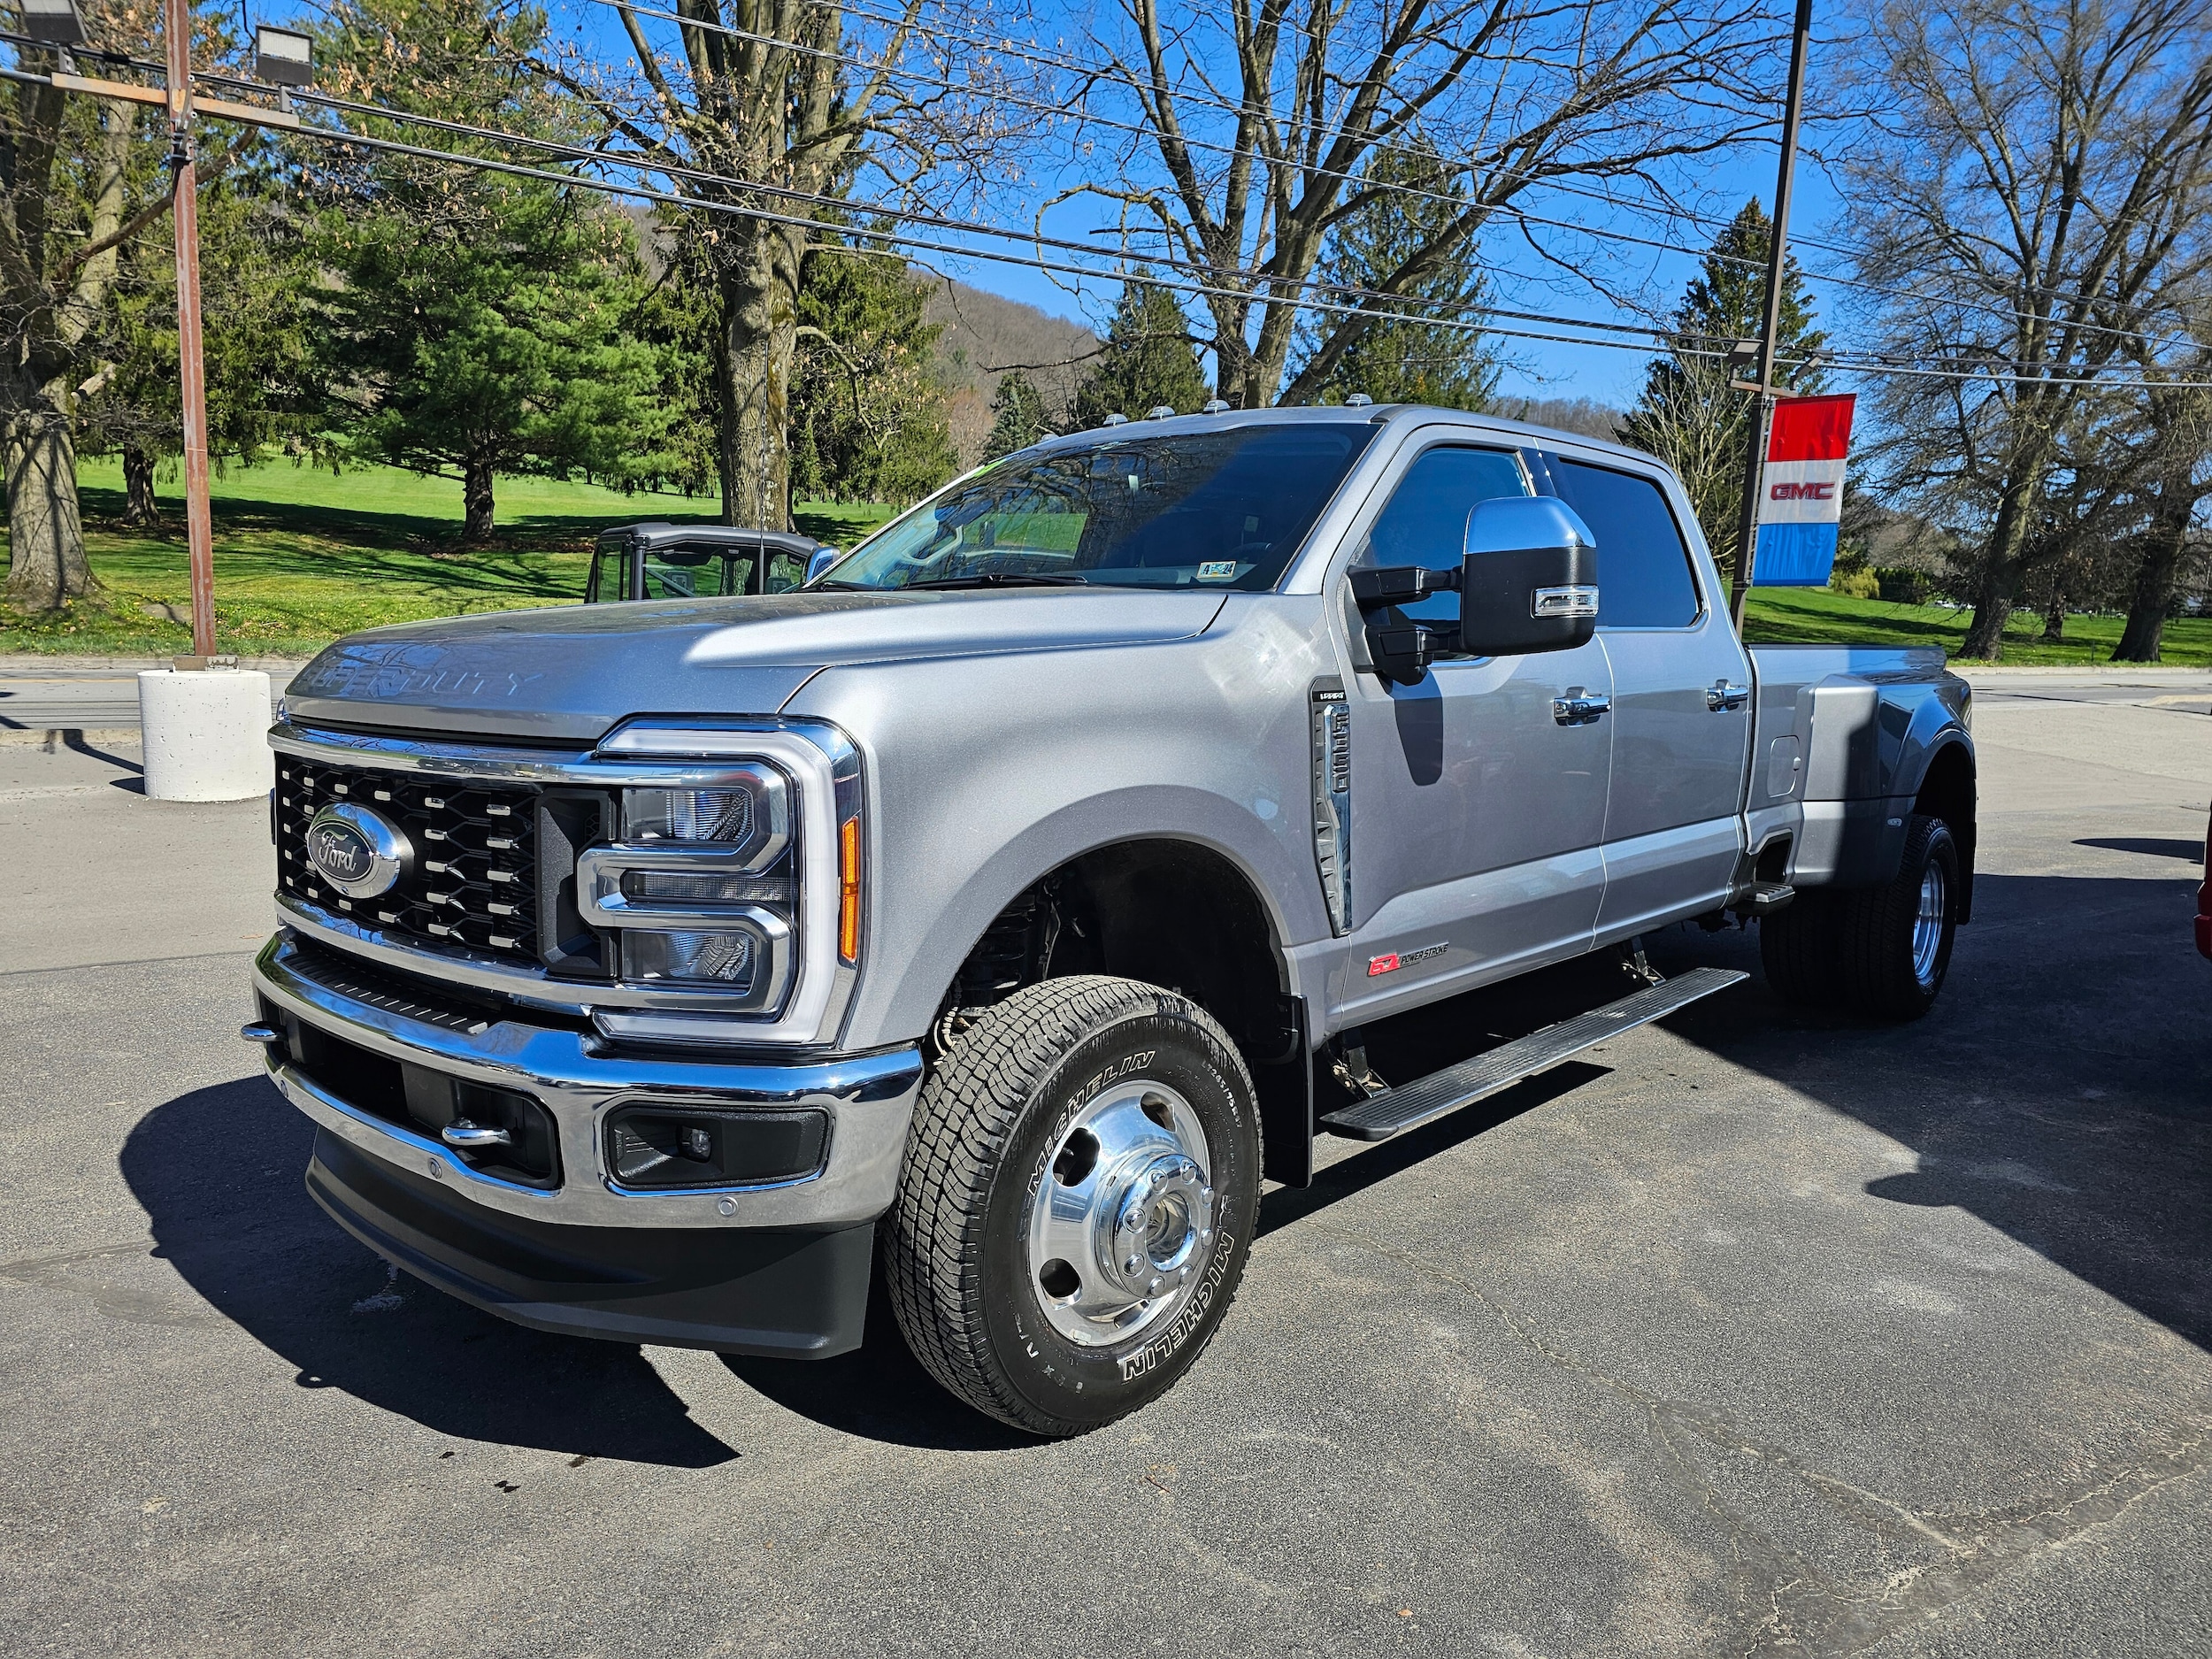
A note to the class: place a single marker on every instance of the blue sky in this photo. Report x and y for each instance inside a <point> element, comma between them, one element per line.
<point>1522,281</point>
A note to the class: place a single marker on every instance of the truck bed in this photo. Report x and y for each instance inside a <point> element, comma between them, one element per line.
<point>1841,740</point>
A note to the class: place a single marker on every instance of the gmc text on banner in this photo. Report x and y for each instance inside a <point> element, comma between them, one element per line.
<point>1800,492</point>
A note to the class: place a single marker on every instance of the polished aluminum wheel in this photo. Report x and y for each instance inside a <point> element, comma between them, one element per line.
<point>1927,924</point>
<point>1118,1227</point>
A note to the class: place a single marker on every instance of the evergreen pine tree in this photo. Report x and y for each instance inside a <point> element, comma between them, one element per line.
<point>868,418</point>
<point>478,321</point>
<point>1020,411</point>
<point>1408,358</point>
<point>1149,362</point>
<point>1687,415</point>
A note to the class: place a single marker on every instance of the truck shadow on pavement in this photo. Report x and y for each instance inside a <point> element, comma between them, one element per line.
<point>2060,1091</point>
<point>218,1172</point>
<point>879,1392</point>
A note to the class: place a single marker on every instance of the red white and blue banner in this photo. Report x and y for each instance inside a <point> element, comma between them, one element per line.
<point>1800,492</point>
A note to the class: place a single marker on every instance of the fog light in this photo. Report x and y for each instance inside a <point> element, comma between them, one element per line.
<point>720,958</point>
<point>656,1148</point>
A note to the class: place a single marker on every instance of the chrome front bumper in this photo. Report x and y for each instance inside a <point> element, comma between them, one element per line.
<point>869,1099</point>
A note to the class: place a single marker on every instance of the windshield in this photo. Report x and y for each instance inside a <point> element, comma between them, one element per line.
<point>1221,509</point>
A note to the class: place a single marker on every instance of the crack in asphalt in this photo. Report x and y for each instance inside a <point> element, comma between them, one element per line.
<point>1785,1601</point>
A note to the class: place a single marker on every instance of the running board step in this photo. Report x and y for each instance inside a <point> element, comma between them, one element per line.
<point>1409,1106</point>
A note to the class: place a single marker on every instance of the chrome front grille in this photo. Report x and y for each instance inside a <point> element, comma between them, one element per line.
<point>472,880</point>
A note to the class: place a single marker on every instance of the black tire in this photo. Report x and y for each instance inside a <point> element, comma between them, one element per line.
<point>956,1248</point>
<point>1797,947</point>
<point>1856,949</point>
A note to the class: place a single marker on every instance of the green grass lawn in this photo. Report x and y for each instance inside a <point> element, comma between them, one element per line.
<point>301,557</point>
<point>1815,616</point>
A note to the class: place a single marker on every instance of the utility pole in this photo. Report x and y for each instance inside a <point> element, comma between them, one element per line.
<point>184,206</point>
<point>1763,406</point>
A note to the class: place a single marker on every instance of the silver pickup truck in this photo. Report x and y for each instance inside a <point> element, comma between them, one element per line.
<point>995,911</point>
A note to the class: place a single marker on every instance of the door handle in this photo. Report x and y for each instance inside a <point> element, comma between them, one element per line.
<point>1721,697</point>
<point>1580,707</point>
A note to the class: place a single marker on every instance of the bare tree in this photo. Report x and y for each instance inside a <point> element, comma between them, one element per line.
<point>2038,171</point>
<point>2177,460</point>
<point>1265,117</point>
<point>71,197</point>
<point>783,102</point>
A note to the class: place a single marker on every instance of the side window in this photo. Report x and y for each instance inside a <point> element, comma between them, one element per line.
<point>786,570</point>
<point>1426,520</point>
<point>1644,578</point>
<point>608,581</point>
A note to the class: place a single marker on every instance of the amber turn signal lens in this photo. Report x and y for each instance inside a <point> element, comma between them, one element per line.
<point>848,891</point>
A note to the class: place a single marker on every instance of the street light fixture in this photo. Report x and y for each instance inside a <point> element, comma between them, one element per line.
<point>283,57</point>
<point>54,22</point>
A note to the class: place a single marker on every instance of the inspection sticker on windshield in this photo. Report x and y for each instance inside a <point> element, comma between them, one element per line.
<point>1217,571</point>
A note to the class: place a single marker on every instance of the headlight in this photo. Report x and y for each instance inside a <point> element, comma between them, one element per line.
<point>751,819</point>
<point>733,884</point>
<point>729,958</point>
<point>701,890</point>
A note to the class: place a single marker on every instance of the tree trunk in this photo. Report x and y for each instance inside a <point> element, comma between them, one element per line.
<point>476,501</point>
<point>2002,579</point>
<point>760,311</point>
<point>726,426</point>
<point>2144,636</point>
<point>2055,619</point>
<point>46,557</point>
<point>139,508</point>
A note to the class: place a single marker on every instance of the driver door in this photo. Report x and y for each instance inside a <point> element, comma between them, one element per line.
<point>1478,816</point>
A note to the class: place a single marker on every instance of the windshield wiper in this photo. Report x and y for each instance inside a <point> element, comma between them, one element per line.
<point>1005,579</point>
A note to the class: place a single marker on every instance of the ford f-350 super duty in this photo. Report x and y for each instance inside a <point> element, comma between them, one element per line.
<point>995,910</point>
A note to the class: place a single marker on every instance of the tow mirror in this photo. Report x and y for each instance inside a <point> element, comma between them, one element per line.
<point>1529,581</point>
<point>1526,580</point>
<point>820,560</point>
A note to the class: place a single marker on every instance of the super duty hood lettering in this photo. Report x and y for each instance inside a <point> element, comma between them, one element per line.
<point>574,672</point>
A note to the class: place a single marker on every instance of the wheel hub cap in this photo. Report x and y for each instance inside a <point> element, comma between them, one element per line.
<point>1927,924</point>
<point>1120,1224</point>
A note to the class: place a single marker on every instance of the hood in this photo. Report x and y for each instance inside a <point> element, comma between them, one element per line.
<point>571,673</point>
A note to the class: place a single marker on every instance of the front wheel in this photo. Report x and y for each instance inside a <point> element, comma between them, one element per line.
<point>1075,1204</point>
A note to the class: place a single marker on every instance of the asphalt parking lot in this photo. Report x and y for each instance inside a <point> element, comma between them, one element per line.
<point>1761,1333</point>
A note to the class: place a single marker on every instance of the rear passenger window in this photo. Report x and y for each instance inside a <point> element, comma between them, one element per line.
<point>1426,522</point>
<point>1644,578</point>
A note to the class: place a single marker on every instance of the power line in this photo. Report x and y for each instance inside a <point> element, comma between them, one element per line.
<point>1668,338</point>
<point>1101,73</point>
<point>343,138</point>
<point>594,156</point>
<point>1673,335</point>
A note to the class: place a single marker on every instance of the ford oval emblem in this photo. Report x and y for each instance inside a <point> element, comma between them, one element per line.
<point>355,851</point>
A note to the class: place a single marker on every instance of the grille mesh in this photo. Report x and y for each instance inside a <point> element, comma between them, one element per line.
<point>475,878</point>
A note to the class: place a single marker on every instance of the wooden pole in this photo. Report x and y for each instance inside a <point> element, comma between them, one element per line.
<point>184,208</point>
<point>1762,405</point>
